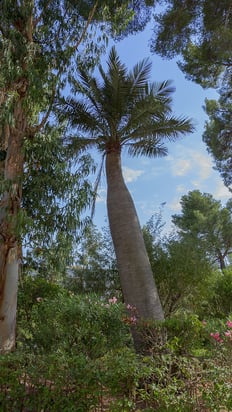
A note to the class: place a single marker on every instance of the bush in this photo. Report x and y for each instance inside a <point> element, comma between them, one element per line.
<point>48,383</point>
<point>220,302</point>
<point>75,353</point>
<point>75,324</point>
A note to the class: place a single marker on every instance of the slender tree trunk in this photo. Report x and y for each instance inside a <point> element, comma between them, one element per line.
<point>136,277</point>
<point>221,260</point>
<point>9,214</point>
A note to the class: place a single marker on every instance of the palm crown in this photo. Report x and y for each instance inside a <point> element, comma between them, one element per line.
<point>125,109</point>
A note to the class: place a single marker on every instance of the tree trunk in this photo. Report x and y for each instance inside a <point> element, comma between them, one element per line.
<point>221,260</point>
<point>136,277</point>
<point>8,299</point>
<point>10,204</point>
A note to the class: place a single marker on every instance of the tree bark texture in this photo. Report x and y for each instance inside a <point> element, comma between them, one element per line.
<point>10,204</point>
<point>135,271</point>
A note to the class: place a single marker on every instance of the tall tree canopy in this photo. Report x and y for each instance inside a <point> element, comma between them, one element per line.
<point>181,268</point>
<point>39,41</point>
<point>123,110</point>
<point>218,130</point>
<point>204,219</point>
<point>200,31</point>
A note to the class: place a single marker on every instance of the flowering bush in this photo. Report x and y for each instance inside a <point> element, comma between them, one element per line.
<point>220,338</point>
<point>75,353</point>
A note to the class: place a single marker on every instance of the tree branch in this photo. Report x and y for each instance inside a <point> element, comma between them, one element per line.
<point>36,21</point>
<point>90,18</point>
<point>32,130</point>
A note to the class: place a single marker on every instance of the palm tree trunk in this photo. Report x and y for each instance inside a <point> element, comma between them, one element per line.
<point>136,277</point>
<point>10,204</point>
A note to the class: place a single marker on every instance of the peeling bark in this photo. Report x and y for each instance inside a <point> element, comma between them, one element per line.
<point>10,203</point>
<point>8,301</point>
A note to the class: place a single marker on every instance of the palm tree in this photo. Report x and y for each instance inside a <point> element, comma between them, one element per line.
<point>124,111</point>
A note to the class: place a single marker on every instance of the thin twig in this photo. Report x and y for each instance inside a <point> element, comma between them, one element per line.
<point>32,130</point>
<point>36,21</point>
<point>90,18</point>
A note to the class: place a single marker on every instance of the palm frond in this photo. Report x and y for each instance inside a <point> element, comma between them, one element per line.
<point>115,66</point>
<point>80,143</point>
<point>140,74</point>
<point>161,89</point>
<point>147,147</point>
<point>167,128</point>
<point>125,107</point>
<point>173,127</point>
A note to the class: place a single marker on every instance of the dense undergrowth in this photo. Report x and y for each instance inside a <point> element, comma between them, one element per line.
<point>75,353</point>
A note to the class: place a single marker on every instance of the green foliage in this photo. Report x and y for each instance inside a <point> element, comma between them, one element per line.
<point>219,302</point>
<point>140,12</point>
<point>56,191</point>
<point>121,371</point>
<point>95,268</point>
<point>217,134</point>
<point>186,334</point>
<point>31,288</point>
<point>204,219</point>
<point>180,268</point>
<point>49,383</point>
<point>39,41</point>
<point>78,356</point>
<point>199,31</point>
<point>95,324</point>
<point>135,113</point>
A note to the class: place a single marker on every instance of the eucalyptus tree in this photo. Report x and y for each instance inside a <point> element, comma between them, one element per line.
<point>123,110</point>
<point>94,269</point>
<point>39,40</point>
<point>55,191</point>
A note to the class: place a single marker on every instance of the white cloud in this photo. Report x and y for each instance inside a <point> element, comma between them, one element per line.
<point>189,160</point>
<point>181,167</point>
<point>221,192</point>
<point>203,162</point>
<point>175,205</point>
<point>131,175</point>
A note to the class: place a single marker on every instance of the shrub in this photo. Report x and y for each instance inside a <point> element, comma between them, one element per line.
<point>75,353</point>
<point>74,324</point>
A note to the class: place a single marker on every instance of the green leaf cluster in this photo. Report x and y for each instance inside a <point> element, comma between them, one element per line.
<point>218,129</point>
<point>198,31</point>
<point>204,219</point>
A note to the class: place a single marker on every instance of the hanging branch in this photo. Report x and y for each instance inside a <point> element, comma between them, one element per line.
<point>31,131</point>
<point>90,18</point>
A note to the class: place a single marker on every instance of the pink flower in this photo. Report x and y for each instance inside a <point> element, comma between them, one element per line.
<point>133,319</point>
<point>229,324</point>
<point>228,334</point>
<point>113,300</point>
<point>39,299</point>
<point>129,307</point>
<point>216,336</point>
<point>204,322</point>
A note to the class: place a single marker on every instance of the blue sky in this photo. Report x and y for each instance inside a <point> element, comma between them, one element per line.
<point>187,167</point>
